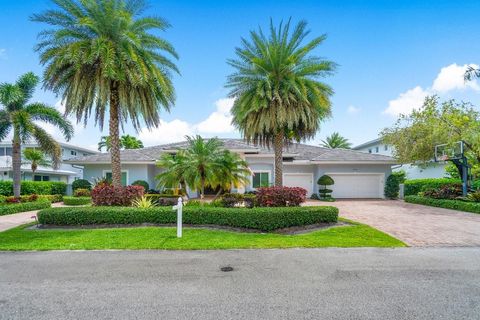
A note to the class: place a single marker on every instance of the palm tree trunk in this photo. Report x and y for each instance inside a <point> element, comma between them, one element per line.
<point>115,137</point>
<point>16,165</point>
<point>34,168</point>
<point>278,149</point>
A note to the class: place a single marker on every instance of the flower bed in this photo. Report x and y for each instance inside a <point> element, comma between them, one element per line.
<point>24,207</point>
<point>445,203</point>
<point>265,219</point>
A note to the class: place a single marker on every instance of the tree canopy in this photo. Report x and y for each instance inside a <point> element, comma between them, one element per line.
<point>335,140</point>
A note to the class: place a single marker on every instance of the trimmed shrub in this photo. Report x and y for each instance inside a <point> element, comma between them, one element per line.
<point>81,184</point>
<point>142,183</point>
<point>324,192</point>
<point>76,201</point>
<point>392,187</point>
<point>413,187</point>
<point>34,187</point>
<point>280,196</point>
<point>445,203</point>
<point>51,197</point>
<point>474,196</point>
<point>264,219</point>
<point>105,194</point>
<point>314,196</point>
<point>401,176</point>
<point>23,207</point>
<point>80,192</point>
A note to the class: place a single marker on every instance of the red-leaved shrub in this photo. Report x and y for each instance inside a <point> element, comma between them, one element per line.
<point>280,196</point>
<point>105,194</point>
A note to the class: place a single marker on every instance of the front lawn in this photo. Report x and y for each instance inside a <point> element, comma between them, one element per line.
<point>356,235</point>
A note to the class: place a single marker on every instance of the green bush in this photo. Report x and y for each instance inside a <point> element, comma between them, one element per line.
<point>260,218</point>
<point>81,192</point>
<point>324,192</point>
<point>51,197</point>
<point>31,187</point>
<point>76,201</point>
<point>81,184</point>
<point>392,187</point>
<point>24,207</point>
<point>142,183</point>
<point>444,203</point>
<point>401,175</point>
<point>413,187</point>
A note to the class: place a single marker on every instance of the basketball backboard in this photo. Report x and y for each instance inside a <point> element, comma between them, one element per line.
<point>449,151</point>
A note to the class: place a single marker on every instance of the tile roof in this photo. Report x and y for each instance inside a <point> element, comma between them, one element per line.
<point>297,150</point>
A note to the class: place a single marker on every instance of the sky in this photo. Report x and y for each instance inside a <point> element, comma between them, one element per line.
<point>390,56</point>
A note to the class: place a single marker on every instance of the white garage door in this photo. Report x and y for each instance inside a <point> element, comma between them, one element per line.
<point>302,180</point>
<point>357,185</point>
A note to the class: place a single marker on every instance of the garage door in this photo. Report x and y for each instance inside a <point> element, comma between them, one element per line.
<point>299,180</point>
<point>357,185</point>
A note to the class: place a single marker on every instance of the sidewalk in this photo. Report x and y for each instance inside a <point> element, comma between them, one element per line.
<point>14,220</point>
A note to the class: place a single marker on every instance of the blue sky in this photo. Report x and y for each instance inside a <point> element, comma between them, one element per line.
<point>390,55</point>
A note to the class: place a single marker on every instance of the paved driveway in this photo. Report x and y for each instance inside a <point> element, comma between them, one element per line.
<point>414,224</point>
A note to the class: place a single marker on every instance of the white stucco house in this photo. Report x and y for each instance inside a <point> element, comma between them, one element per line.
<point>356,174</point>
<point>430,170</point>
<point>65,173</point>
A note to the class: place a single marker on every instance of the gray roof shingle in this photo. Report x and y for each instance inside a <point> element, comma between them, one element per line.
<point>298,151</point>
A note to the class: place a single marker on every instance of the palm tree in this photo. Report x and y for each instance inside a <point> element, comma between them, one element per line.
<point>278,95</point>
<point>22,118</point>
<point>130,142</point>
<point>126,142</point>
<point>102,57</point>
<point>230,171</point>
<point>35,158</point>
<point>174,166</point>
<point>335,140</point>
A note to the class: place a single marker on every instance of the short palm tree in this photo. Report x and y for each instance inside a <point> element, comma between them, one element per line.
<point>102,57</point>
<point>230,171</point>
<point>126,142</point>
<point>21,117</point>
<point>173,166</point>
<point>278,95</point>
<point>201,161</point>
<point>335,140</point>
<point>35,158</point>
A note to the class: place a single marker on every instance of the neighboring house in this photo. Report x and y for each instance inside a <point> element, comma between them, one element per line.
<point>66,172</point>
<point>356,174</point>
<point>430,170</point>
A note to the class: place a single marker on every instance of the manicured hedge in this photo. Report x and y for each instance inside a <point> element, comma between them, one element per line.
<point>23,207</point>
<point>34,187</point>
<point>265,219</point>
<point>51,197</point>
<point>413,187</point>
<point>443,203</point>
<point>76,201</point>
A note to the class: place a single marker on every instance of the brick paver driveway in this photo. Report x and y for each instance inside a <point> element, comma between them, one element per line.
<point>416,225</point>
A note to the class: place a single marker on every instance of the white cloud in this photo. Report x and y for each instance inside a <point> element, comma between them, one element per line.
<point>352,110</point>
<point>219,121</point>
<point>406,102</point>
<point>452,78</point>
<point>3,53</point>
<point>166,132</point>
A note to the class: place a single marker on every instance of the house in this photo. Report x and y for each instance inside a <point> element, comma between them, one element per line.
<point>431,169</point>
<point>356,174</point>
<point>66,172</point>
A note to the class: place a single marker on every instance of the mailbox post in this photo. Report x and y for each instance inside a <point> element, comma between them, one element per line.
<point>179,207</point>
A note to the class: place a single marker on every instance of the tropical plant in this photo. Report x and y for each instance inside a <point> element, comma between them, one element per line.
<point>81,184</point>
<point>230,171</point>
<point>173,166</point>
<point>126,142</point>
<point>335,140</point>
<point>143,202</point>
<point>35,158</point>
<point>102,57</point>
<point>22,117</point>
<point>278,95</point>
<point>142,183</point>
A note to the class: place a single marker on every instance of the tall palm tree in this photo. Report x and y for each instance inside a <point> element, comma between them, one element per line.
<point>102,57</point>
<point>174,166</point>
<point>278,95</point>
<point>201,161</point>
<point>21,117</point>
<point>35,158</point>
<point>230,171</point>
<point>335,140</point>
<point>126,142</point>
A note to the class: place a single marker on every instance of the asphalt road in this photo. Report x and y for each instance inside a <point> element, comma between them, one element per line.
<point>404,283</point>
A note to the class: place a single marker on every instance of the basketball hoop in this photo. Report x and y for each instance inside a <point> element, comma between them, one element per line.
<point>444,158</point>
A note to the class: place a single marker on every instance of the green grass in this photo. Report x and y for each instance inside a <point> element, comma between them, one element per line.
<point>356,235</point>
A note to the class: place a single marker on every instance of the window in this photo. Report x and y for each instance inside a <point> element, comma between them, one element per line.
<point>369,150</point>
<point>2,151</point>
<point>260,179</point>
<point>386,147</point>
<point>8,151</point>
<point>73,153</point>
<point>41,178</point>
<point>376,149</point>
<point>108,175</point>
